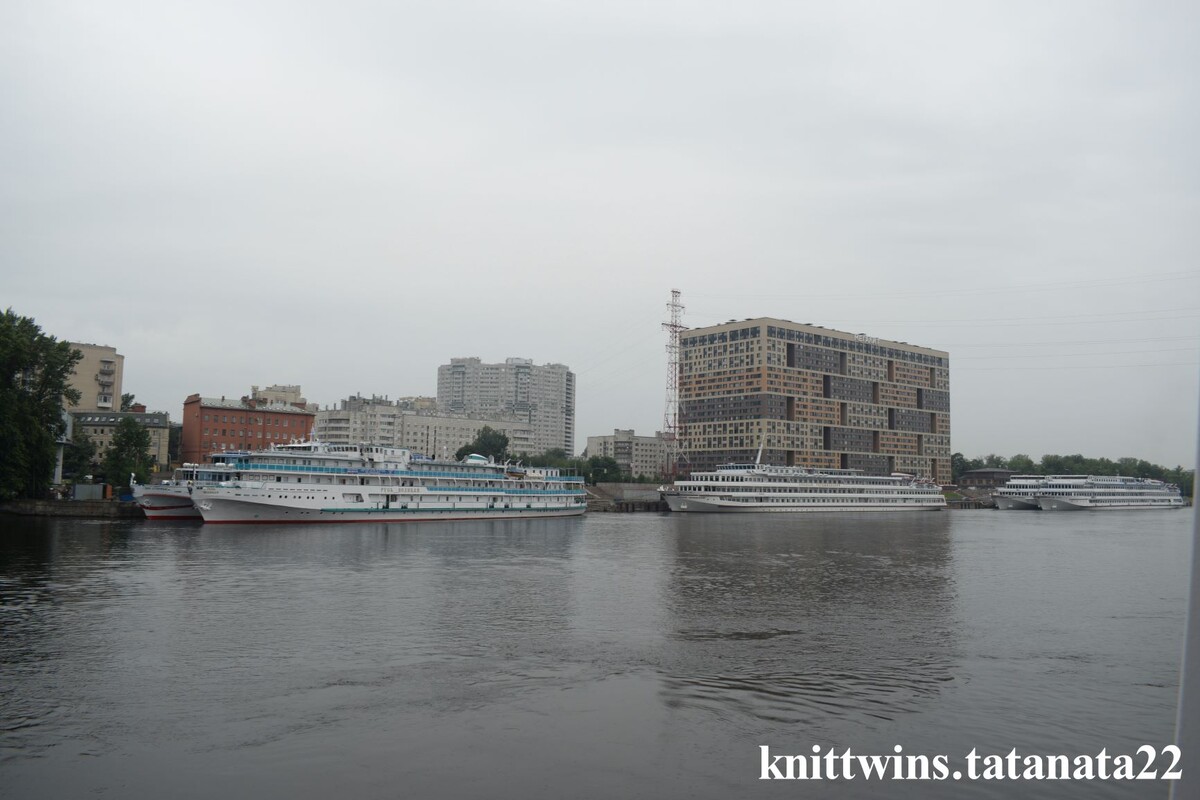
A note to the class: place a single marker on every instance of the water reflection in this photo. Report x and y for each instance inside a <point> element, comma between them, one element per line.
<point>615,655</point>
<point>794,619</point>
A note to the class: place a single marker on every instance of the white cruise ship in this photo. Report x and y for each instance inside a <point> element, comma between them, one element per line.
<point>317,482</point>
<point>757,487</point>
<point>1020,492</point>
<point>172,499</point>
<point>1106,493</point>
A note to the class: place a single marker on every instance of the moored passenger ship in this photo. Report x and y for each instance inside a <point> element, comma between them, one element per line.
<point>1020,492</point>
<point>763,488</point>
<point>318,482</point>
<point>172,499</point>
<point>1106,493</point>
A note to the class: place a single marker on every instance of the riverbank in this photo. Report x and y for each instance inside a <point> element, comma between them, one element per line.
<point>624,497</point>
<point>89,509</point>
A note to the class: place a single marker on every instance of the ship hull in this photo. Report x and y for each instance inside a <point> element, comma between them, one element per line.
<point>244,511</point>
<point>1087,504</point>
<point>703,505</point>
<point>166,504</point>
<point>1016,503</point>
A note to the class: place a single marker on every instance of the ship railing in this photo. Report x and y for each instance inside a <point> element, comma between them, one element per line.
<point>319,470</point>
<point>500,491</point>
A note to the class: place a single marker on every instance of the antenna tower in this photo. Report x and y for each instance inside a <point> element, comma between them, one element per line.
<point>672,429</point>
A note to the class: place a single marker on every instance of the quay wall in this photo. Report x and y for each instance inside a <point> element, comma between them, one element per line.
<point>624,497</point>
<point>91,509</point>
<point>626,492</point>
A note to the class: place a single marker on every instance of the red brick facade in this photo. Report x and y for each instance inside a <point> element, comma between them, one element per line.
<point>218,425</point>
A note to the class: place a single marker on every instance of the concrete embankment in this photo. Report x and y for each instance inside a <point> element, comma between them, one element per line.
<point>969,503</point>
<point>624,497</point>
<point>92,509</point>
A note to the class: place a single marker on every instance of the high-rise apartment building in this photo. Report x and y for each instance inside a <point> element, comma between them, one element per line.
<point>97,376</point>
<point>411,423</point>
<point>541,396</point>
<point>811,396</point>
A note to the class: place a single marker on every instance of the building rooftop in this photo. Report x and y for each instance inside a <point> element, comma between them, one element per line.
<point>243,404</point>
<point>817,330</point>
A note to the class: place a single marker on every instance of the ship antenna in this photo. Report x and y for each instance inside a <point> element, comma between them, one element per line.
<point>758,458</point>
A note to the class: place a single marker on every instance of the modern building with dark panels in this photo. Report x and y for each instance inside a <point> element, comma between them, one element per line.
<point>813,397</point>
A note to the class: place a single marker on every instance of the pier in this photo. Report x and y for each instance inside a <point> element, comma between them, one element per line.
<point>624,497</point>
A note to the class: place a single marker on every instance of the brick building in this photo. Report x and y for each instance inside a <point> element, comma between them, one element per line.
<point>217,425</point>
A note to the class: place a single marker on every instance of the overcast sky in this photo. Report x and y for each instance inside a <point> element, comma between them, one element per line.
<point>346,195</point>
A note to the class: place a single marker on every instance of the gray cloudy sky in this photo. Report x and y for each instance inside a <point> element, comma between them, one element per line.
<point>345,195</point>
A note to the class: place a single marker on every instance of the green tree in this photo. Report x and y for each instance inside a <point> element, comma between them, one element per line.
<point>129,453</point>
<point>127,402</point>
<point>79,456</point>
<point>1185,479</point>
<point>1023,464</point>
<point>35,371</point>
<point>557,458</point>
<point>957,466</point>
<point>960,464</point>
<point>1079,465</point>
<point>604,468</point>
<point>174,439</point>
<point>488,442</point>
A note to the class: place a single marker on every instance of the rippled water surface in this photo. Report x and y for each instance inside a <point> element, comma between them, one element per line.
<point>617,655</point>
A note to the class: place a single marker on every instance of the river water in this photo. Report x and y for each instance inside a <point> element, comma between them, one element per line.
<point>610,656</point>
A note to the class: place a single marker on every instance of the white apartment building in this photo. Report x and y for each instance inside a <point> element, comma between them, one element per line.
<point>406,423</point>
<point>97,376</point>
<point>542,396</point>
<point>635,455</point>
<point>288,395</point>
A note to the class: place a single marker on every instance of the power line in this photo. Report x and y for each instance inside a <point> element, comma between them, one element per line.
<point>1057,320</point>
<point>642,339</point>
<point>1081,355</point>
<point>1078,366</point>
<point>1026,323</point>
<point>1043,342</point>
<point>1011,287</point>
<point>1019,319</point>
